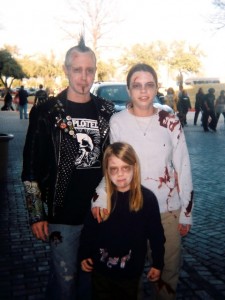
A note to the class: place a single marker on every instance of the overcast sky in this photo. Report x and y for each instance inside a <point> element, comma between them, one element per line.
<point>34,26</point>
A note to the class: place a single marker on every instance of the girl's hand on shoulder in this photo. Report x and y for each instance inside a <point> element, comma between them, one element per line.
<point>96,213</point>
<point>99,213</point>
<point>87,265</point>
<point>154,274</point>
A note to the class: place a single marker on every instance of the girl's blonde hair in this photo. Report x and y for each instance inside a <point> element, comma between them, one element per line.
<point>127,154</point>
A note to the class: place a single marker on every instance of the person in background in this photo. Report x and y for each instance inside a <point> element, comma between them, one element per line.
<point>23,101</point>
<point>8,101</point>
<point>62,165</point>
<point>40,96</point>
<point>16,100</point>
<point>171,98</point>
<point>220,106</point>
<point>160,96</point>
<point>208,108</point>
<point>183,105</point>
<point>159,141</point>
<point>115,249</point>
<point>198,104</point>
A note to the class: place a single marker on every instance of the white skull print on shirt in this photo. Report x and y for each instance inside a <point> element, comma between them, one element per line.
<point>88,137</point>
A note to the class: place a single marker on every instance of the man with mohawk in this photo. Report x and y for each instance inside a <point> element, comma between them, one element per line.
<point>62,165</point>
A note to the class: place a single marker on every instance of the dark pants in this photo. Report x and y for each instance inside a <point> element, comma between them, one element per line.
<point>7,107</point>
<point>197,111</point>
<point>105,288</point>
<point>218,116</point>
<point>182,115</point>
<point>205,119</point>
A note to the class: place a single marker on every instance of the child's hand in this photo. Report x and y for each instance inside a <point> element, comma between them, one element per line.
<point>87,265</point>
<point>153,274</point>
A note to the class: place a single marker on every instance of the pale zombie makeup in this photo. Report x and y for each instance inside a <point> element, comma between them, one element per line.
<point>86,75</point>
<point>81,72</point>
<point>139,87</point>
<point>142,89</point>
<point>143,77</point>
<point>120,173</point>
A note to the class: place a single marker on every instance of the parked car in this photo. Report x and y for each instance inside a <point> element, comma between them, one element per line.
<point>114,91</point>
<point>157,104</point>
<point>31,91</point>
<point>2,92</point>
<point>118,94</point>
<point>13,91</point>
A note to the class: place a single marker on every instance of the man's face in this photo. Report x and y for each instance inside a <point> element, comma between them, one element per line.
<point>81,72</point>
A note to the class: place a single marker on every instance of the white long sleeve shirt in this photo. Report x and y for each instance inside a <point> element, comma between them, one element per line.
<point>160,144</point>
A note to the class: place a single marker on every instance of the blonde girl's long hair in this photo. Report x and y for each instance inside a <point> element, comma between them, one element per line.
<point>127,154</point>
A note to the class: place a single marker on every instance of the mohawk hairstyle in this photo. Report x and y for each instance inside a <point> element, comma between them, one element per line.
<point>81,43</point>
<point>80,47</point>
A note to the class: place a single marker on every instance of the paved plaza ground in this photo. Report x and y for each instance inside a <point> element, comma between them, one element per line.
<point>24,261</point>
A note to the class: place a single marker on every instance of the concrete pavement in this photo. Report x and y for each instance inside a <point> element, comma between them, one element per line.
<point>24,262</point>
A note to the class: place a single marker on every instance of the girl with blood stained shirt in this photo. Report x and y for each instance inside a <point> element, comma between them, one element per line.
<point>159,141</point>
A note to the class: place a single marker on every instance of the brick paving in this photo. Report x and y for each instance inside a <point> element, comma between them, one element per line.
<point>24,262</point>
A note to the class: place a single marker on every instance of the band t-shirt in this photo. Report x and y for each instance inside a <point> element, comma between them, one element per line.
<point>87,171</point>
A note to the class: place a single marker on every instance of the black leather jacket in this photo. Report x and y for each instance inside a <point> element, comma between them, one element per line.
<point>42,168</point>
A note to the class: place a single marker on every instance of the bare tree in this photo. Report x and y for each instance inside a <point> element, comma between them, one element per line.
<point>218,17</point>
<point>96,18</point>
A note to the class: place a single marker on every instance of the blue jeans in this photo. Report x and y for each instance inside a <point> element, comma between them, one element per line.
<point>23,111</point>
<point>66,281</point>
